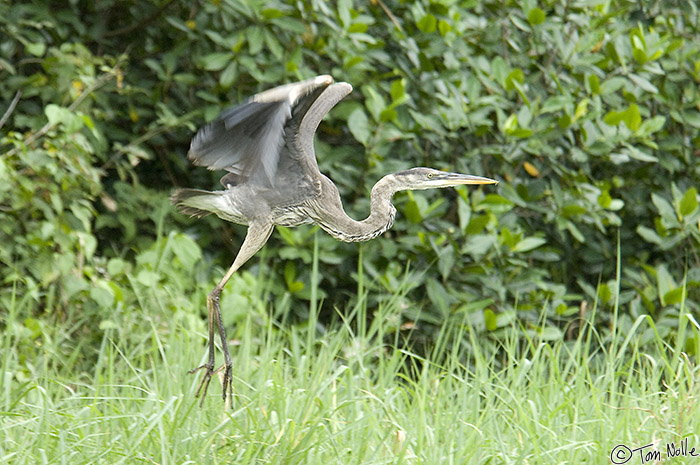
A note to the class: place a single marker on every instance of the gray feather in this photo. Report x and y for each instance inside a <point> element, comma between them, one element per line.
<point>185,200</point>
<point>318,110</point>
<point>249,139</point>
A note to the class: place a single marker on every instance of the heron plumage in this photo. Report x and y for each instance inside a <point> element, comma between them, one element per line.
<point>266,145</point>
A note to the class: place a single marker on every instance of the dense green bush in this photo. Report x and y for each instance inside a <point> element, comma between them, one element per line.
<point>587,112</point>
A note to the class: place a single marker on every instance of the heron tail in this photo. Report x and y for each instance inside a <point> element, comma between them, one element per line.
<point>194,202</point>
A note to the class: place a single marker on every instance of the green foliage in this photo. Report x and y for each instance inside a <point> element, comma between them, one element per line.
<point>559,300</point>
<point>347,396</point>
<point>586,111</point>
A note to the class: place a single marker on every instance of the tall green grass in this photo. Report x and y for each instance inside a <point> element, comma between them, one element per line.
<point>355,394</point>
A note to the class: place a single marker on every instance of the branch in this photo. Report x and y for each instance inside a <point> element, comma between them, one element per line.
<point>148,135</point>
<point>390,15</point>
<point>48,126</point>
<point>11,108</point>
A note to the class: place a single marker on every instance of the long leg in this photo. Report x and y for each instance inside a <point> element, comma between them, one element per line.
<point>257,235</point>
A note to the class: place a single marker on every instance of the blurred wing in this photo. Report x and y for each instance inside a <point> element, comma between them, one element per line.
<point>247,139</point>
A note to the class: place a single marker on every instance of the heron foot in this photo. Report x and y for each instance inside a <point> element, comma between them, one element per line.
<point>206,379</point>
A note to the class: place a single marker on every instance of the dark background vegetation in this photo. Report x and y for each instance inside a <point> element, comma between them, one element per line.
<point>587,112</point>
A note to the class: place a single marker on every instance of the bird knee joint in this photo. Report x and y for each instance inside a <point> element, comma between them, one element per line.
<point>214,295</point>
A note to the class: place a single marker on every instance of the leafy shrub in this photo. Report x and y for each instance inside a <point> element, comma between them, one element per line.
<point>586,111</point>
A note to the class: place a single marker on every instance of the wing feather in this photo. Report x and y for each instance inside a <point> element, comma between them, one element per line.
<point>316,112</point>
<point>247,139</point>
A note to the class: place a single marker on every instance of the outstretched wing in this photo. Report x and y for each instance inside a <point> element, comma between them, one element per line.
<point>247,139</point>
<point>312,117</point>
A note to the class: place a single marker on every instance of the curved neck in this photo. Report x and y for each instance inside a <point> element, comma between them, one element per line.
<point>339,225</point>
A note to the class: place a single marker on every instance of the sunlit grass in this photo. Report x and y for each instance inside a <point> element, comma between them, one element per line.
<point>355,394</point>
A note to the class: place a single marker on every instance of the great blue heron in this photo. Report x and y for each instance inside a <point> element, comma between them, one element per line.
<point>266,145</point>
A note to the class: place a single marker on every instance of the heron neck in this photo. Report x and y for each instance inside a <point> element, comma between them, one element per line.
<point>381,216</point>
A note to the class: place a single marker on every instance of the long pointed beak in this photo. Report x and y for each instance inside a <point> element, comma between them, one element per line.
<point>455,179</point>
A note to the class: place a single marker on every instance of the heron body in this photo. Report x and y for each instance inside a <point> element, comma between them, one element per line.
<point>266,145</point>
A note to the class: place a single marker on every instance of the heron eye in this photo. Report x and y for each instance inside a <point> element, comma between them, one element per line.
<point>430,175</point>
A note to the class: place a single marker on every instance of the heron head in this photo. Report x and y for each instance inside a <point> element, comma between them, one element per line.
<point>428,178</point>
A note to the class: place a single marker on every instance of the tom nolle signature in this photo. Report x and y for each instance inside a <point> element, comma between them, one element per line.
<point>622,453</point>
